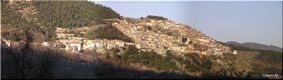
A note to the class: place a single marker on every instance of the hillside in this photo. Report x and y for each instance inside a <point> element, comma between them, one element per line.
<point>162,35</point>
<point>43,16</point>
<point>269,61</point>
<point>81,39</point>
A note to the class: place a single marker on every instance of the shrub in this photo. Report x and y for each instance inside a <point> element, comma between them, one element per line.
<point>110,32</point>
<point>149,58</point>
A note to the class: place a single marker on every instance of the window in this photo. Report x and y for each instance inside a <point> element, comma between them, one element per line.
<point>184,40</point>
<point>63,46</point>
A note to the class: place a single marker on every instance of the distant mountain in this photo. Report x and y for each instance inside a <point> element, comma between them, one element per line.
<point>256,46</point>
<point>233,43</point>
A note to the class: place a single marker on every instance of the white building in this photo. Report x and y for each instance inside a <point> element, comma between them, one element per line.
<point>98,45</point>
<point>74,47</point>
<point>203,40</point>
<point>70,45</point>
<point>88,44</point>
<point>235,52</point>
<point>45,43</point>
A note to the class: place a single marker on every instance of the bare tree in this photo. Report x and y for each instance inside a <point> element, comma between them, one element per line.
<point>26,62</point>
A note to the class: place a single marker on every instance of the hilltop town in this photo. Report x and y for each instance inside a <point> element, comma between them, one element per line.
<point>162,35</point>
<point>151,33</point>
<point>147,34</point>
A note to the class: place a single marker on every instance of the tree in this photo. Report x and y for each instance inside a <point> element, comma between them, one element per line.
<point>156,17</point>
<point>27,62</point>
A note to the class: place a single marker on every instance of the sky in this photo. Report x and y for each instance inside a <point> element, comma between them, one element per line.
<point>241,21</point>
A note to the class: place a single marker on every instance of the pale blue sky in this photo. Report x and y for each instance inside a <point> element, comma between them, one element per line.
<point>241,21</point>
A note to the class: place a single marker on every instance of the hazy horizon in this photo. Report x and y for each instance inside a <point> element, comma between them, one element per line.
<point>241,21</point>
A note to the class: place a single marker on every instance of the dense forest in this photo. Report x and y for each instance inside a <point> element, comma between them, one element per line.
<point>13,24</point>
<point>71,14</point>
<point>44,16</point>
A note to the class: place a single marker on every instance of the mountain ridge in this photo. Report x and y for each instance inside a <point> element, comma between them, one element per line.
<point>255,45</point>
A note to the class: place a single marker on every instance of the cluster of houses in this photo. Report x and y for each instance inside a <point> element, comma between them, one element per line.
<point>159,42</point>
<point>144,40</point>
<point>76,44</point>
<point>79,45</point>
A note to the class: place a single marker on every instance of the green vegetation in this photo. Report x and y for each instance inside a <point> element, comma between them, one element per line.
<point>156,17</point>
<point>108,32</point>
<point>14,25</point>
<point>241,48</point>
<point>24,61</point>
<point>195,63</point>
<point>192,63</point>
<point>132,20</point>
<point>50,14</point>
<point>271,56</point>
<point>269,61</point>
<point>148,58</point>
<point>72,14</point>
